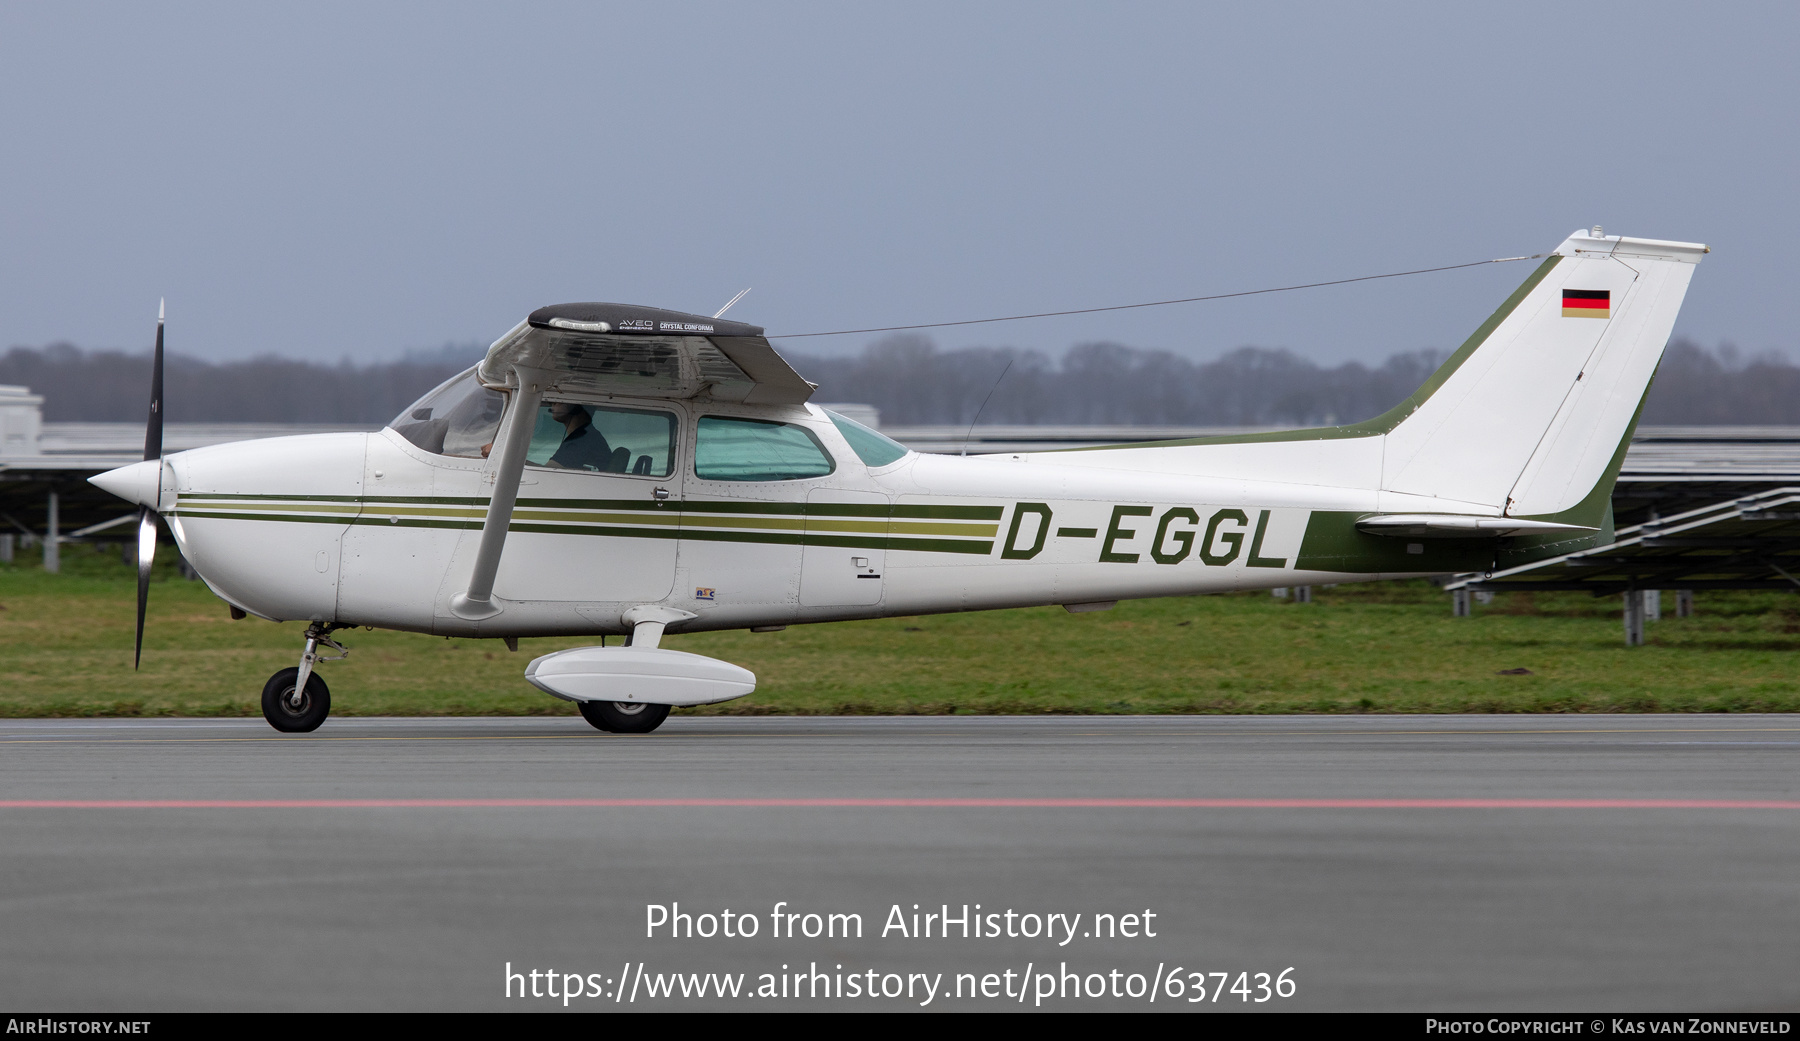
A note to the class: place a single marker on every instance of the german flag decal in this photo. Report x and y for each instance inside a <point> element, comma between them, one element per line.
<point>1587,303</point>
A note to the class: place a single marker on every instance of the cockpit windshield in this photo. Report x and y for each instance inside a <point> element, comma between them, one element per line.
<point>460,418</point>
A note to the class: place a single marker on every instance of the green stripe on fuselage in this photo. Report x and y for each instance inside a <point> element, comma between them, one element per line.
<point>931,511</point>
<point>835,524</point>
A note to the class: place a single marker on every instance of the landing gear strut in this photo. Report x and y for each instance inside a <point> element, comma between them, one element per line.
<point>647,622</point>
<point>296,700</point>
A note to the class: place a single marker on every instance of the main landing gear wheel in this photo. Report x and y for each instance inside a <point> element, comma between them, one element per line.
<point>619,717</point>
<point>280,709</point>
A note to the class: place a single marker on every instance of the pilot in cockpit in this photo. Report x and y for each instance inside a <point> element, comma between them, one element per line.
<point>583,447</point>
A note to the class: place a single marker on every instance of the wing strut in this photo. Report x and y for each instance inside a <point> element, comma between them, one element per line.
<point>515,440</point>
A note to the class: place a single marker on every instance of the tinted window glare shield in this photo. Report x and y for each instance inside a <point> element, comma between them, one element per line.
<point>871,446</point>
<point>633,441</point>
<point>757,450</point>
<point>460,418</point>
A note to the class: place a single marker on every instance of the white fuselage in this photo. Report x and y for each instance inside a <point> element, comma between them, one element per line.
<point>368,529</point>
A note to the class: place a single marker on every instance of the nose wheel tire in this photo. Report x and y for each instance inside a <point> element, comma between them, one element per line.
<point>618,717</point>
<point>281,712</point>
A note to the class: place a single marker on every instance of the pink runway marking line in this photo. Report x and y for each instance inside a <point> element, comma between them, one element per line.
<point>944,803</point>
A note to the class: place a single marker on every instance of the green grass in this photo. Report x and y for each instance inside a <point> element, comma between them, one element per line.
<point>65,650</point>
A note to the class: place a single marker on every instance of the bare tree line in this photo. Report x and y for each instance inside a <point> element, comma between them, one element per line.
<point>908,378</point>
<point>112,386</point>
<point>1108,383</point>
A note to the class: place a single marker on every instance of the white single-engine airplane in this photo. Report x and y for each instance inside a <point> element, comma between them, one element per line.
<point>612,469</point>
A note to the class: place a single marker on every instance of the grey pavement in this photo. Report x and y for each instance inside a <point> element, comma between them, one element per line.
<point>404,908</point>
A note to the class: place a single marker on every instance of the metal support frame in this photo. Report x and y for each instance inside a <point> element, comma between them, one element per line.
<point>1303,594</point>
<point>1460,602</point>
<point>1750,542</point>
<point>1634,618</point>
<point>1620,585</point>
<point>478,603</point>
<point>1684,603</point>
<point>1783,573</point>
<point>52,540</point>
<point>1652,604</point>
<point>102,526</point>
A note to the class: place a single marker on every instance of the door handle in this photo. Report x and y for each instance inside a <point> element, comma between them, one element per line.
<point>660,495</point>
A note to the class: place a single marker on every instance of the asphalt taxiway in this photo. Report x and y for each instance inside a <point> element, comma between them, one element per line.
<point>1394,862</point>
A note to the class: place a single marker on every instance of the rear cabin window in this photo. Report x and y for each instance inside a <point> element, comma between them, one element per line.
<point>603,440</point>
<point>757,450</point>
<point>459,418</point>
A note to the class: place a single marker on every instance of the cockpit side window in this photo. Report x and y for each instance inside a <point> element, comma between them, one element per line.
<point>598,438</point>
<point>460,418</point>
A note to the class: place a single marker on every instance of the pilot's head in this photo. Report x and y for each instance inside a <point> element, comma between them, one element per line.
<point>570,414</point>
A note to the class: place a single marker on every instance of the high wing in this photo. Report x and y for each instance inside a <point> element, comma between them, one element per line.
<point>645,352</point>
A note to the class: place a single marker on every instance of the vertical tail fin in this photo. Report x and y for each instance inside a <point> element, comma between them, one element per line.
<point>1530,417</point>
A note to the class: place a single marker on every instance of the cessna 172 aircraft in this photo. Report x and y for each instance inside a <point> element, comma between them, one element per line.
<point>624,470</point>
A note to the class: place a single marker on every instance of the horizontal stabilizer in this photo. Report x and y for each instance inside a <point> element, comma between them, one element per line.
<point>1460,526</point>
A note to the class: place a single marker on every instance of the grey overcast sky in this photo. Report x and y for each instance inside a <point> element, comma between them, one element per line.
<point>351,180</point>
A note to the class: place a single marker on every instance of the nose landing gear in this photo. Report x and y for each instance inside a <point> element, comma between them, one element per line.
<point>296,700</point>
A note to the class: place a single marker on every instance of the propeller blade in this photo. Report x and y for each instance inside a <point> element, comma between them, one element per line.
<point>146,557</point>
<point>153,430</point>
<point>153,444</point>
